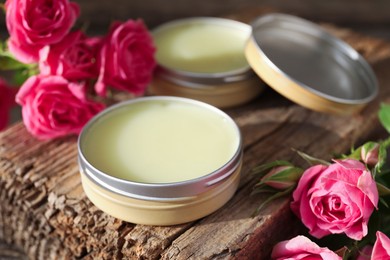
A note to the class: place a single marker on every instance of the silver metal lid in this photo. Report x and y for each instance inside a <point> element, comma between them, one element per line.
<point>300,60</point>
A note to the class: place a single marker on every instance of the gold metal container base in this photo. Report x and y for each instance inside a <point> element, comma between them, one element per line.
<point>162,213</point>
<point>222,96</point>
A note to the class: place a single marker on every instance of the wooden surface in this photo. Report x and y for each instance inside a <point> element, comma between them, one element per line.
<point>44,212</point>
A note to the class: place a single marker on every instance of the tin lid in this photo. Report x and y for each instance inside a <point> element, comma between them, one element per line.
<point>309,66</point>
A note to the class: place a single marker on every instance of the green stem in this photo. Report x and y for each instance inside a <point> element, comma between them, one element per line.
<point>386,142</point>
<point>273,197</point>
<point>355,247</point>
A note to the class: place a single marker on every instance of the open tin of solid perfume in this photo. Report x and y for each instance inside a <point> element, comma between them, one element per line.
<point>160,160</point>
<point>203,58</point>
<point>309,66</point>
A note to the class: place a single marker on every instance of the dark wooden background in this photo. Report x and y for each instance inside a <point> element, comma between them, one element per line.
<point>369,16</point>
<point>367,12</point>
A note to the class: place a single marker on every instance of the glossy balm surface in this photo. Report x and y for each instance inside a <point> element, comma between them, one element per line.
<point>161,141</point>
<point>201,47</point>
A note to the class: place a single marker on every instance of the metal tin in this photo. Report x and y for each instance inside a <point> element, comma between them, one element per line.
<point>159,203</point>
<point>222,89</point>
<point>309,66</point>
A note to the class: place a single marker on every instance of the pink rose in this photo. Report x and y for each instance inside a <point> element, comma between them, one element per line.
<point>74,57</point>
<point>35,23</point>
<point>53,106</point>
<point>127,58</point>
<point>300,247</point>
<point>381,248</point>
<point>7,100</point>
<point>334,199</point>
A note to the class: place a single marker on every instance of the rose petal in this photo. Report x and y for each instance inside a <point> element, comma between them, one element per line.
<point>301,247</point>
<point>381,249</point>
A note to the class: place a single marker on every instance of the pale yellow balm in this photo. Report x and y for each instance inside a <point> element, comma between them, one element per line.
<point>161,141</point>
<point>202,46</point>
<point>160,160</point>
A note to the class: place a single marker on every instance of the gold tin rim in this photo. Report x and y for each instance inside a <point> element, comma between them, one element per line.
<point>292,88</point>
<point>222,96</point>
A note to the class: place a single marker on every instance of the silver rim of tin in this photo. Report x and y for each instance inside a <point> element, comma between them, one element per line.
<point>159,191</point>
<point>193,78</point>
<point>293,23</point>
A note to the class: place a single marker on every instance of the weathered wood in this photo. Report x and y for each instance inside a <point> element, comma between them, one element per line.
<point>44,211</point>
<point>9,252</point>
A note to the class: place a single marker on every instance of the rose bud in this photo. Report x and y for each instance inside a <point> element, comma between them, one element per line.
<point>282,177</point>
<point>370,153</point>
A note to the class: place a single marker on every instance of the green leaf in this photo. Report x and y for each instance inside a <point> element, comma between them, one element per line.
<point>355,154</point>
<point>382,156</point>
<point>382,189</point>
<point>20,71</point>
<point>20,76</point>
<point>384,171</point>
<point>263,189</point>
<point>384,202</point>
<point>310,159</point>
<point>386,142</point>
<point>9,63</point>
<point>384,116</point>
<point>271,198</point>
<point>261,169</point>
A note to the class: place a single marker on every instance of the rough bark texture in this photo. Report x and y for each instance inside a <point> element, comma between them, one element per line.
<point>44,212</point>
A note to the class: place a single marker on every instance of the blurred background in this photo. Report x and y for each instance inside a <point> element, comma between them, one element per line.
<point>369,16</point>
